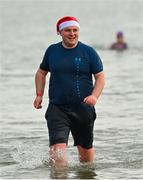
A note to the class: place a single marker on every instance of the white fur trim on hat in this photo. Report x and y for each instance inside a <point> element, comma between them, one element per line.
<point>67,24</point>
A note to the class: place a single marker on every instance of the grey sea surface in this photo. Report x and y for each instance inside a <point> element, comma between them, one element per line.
<point>27,29</point>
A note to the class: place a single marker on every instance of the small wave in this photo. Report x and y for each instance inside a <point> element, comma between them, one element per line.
<point>29,156</point>
<point>15,75</point>
<point>105,47</point>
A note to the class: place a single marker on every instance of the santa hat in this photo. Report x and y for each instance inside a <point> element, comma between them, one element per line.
<point>66,22</point>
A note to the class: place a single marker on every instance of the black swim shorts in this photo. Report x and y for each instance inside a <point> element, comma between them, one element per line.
<point>79,119</point>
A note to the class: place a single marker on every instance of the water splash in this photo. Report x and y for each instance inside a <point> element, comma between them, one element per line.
<point>30,156</point>
<point>58,157</point>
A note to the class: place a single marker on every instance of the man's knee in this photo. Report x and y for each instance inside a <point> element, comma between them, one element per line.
<point>86,155</point>
<point>58,154</point>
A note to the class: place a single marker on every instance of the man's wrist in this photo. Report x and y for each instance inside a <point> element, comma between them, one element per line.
<point>95,96</point>
<point>39,93</point>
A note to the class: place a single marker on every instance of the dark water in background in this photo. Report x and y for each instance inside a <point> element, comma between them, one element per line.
<point>27,28</point>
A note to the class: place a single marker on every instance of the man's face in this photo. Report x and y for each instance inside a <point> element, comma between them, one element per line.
<point>120,39</point>
<point>70,35</point>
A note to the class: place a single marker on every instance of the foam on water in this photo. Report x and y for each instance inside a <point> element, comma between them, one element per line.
<point>29,156</point>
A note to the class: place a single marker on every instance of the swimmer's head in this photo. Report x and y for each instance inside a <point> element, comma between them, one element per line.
<point>119,34</point>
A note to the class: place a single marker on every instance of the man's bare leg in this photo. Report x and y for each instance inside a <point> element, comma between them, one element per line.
<point>85,155</point>
<point>58,155</point>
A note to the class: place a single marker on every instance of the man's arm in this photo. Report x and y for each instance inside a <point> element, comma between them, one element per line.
<point>40,79</point>
<point>98,87</point>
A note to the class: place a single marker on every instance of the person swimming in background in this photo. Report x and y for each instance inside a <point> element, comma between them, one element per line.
<point>120,44</point>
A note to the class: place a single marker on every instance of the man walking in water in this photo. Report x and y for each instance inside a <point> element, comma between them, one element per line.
<point>72,94</point>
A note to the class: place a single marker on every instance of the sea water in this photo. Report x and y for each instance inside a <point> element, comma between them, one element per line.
<point>27,29</point>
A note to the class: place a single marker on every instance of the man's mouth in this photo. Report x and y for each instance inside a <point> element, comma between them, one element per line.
<point>71,39</point>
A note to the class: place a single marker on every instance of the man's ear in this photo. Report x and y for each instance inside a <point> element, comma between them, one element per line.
<point>58,33</point>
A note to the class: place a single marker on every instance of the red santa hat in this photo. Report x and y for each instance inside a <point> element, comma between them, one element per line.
<point>66,22</point>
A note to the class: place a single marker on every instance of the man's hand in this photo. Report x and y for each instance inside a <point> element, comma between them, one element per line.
<point>90,100</point>
<point>37,103</point>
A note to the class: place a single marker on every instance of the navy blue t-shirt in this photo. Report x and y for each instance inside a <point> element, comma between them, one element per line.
<point>70,72</point>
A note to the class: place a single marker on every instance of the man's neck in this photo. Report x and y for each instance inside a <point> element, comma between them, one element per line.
<point>69,47</point>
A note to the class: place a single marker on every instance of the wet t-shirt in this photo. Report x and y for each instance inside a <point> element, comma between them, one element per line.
<point>71,72</point>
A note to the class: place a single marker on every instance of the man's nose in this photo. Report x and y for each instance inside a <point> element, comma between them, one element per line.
<point>71,32</point>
